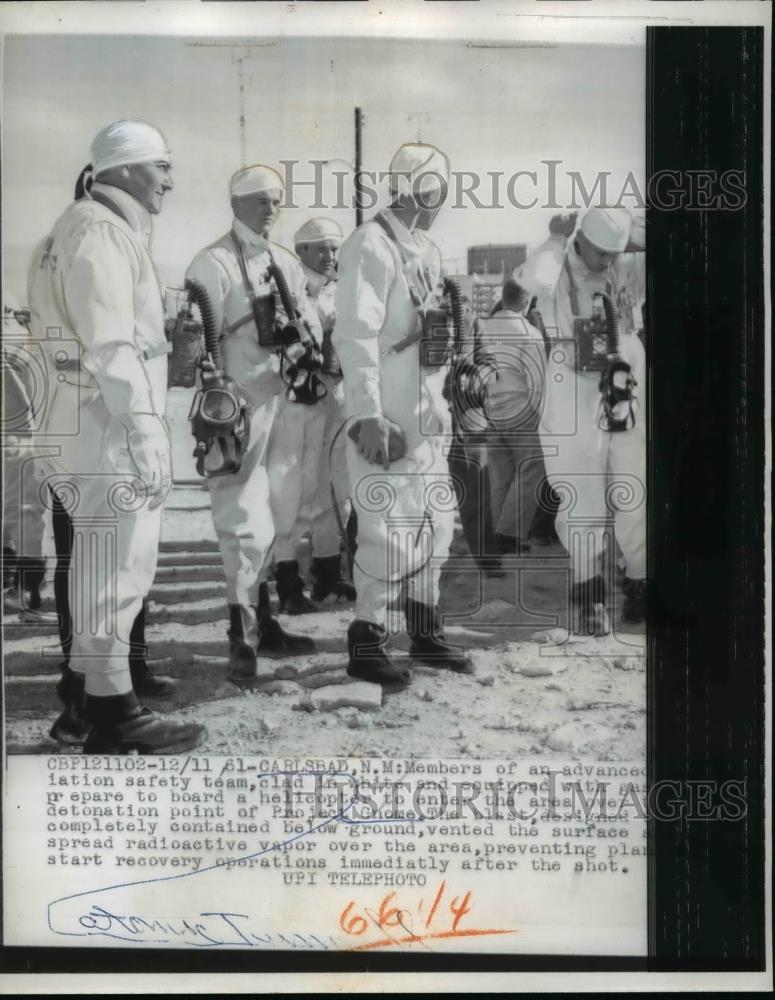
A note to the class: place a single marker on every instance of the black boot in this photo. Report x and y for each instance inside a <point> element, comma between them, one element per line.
<point>72,726</point>
<point>144,681</point>
<point>328,579</point>
<point>290,589</point>
<point>634,607</point>
<point>423,624</point>
<point>366,643</point>
<point>588,615</point>
<point>243,639</point>
<point>120,724</point>
<point>32,572</point>
<point>273,640</point>
<point>10,573</point>
<point>510,545</point>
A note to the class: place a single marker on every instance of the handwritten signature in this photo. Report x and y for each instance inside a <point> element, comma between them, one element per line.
<point>222,928</point>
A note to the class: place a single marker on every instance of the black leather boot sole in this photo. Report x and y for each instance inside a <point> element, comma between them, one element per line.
<point>145,733</point>
<point>423,625</point>
<point>368,659</point>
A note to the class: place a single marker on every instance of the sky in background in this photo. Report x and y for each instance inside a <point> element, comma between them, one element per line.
<point>489,108</point>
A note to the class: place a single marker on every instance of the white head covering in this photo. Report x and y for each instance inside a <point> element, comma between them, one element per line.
<point>418,168</point>
<point>253,180</point>
<point>128,141</point>
<point>607,228</point>
<point>317,231</point>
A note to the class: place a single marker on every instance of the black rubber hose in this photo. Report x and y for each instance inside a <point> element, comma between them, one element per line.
<point>452,288</point>
<point>612,324</point>
<point>285,296</point>
<point>198,295</point>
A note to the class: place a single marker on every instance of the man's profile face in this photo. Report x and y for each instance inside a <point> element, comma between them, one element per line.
<point>596,260</point>
<point>148,183</point>
<point>319,257</point>
<point>258,211</point>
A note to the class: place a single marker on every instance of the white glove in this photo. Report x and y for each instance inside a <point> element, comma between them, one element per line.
<point>150,450</point>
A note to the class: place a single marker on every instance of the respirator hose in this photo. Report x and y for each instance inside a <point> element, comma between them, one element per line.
<point>612,324</point>
<point>198,295</point>
<point>285,296</point>
<point>452,288</point>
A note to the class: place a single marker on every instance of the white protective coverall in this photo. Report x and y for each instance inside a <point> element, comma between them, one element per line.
<point>332,468</point>
<point>596,472</point>
<point>271,466</point>
<point>97,316</point>
<point>405,514</point>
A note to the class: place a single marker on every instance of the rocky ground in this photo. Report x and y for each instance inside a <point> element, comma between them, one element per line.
<point>565,697</point>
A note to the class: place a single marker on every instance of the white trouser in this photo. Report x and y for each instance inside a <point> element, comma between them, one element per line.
<point>115,550</point>
<point>598,476</point>
<point>332,474</point>
<point>406,519</point>
<point>242,515</point>
<point>293,460</point>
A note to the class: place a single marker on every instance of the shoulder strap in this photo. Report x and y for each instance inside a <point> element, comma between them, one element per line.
<point>240,253</point>
<point>406,264</point>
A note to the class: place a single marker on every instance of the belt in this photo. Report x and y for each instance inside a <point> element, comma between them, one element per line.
<point>68,364</point>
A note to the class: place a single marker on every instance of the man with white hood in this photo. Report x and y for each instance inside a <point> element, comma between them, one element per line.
<point>401,491</point>
<point>595,457</point>
<point>96,310</point>
<point>237,274</point>
<point>317,243</point>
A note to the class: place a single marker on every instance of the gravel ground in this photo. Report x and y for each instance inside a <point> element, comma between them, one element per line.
<point>571,698</point>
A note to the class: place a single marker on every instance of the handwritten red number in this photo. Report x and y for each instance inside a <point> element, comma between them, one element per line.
<point>352,925</point>
<point>461,910</point>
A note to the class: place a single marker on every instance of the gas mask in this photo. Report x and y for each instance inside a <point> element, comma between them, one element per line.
<point>300,364</point>
<point>219,416</point>
<point>597,347</point>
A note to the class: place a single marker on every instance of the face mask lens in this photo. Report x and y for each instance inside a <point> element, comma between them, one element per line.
<point>219,406</point>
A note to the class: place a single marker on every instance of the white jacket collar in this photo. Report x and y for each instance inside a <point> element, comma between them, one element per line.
<point>138,217</point>
<point>403,234</point>
<point>315,280</point>
<point>252,241</point>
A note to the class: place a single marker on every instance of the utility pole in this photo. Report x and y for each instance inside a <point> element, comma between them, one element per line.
<point>358,166</point>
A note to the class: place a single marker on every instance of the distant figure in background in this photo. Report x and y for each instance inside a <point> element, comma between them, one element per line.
<point>24,511</point>
<point>514,457</point>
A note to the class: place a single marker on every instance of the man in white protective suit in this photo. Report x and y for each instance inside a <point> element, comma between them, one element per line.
<point>394,384</point>
<point>237,274</point>
<point>594,439</point>
<point>317,243</point>
<point>96,312</point>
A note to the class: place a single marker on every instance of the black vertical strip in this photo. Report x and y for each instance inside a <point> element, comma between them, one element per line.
<point>706,478</point>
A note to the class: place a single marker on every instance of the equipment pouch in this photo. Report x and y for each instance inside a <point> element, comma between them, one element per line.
<point>185,335</point>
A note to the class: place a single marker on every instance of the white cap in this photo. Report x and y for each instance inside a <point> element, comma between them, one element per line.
<point>417,168</point>
<point>253,180</point>
<point>125,142</point>
<point>317,231</point>
<point>607,228</point>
